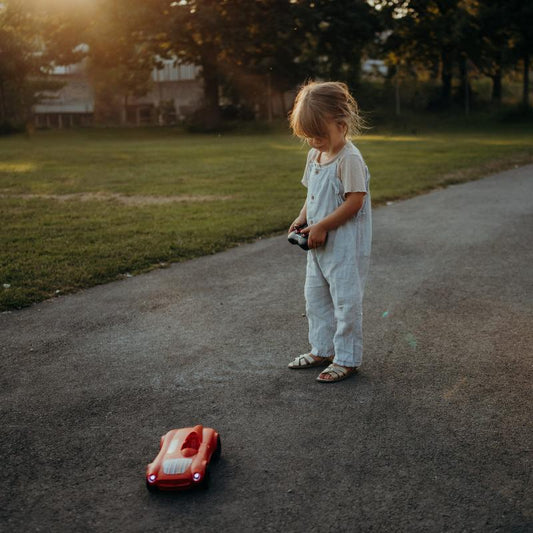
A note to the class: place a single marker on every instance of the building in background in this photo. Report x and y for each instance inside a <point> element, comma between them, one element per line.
<point>71,105</point>
<point>176,92</point>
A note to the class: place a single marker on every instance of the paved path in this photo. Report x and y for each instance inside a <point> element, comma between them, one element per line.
<point>434,434</point>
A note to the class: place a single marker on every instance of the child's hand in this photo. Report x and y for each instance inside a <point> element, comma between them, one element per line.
<point>317,235</point>
<point>300,221</point>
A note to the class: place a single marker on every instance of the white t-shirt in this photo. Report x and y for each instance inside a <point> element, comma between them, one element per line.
<point>351,168</point>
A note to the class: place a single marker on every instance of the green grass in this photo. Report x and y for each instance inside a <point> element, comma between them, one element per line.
<point>67,225</point>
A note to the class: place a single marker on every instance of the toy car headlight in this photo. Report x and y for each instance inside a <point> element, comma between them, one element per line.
<point>197,476</point>
<point>152,478</point>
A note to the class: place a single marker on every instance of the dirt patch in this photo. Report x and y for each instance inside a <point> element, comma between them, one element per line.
<point>122,198</point>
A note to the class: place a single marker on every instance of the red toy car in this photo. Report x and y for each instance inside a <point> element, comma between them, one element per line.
<point>183,459</point>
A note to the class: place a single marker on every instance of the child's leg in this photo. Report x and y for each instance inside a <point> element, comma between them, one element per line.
<point>348,338</point>
<point>319,310</point>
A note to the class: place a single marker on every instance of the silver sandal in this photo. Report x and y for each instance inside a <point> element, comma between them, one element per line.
<point>307,360</point>
<point>337,373</point>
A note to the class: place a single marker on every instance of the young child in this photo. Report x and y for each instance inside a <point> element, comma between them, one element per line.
<point>338,213</point>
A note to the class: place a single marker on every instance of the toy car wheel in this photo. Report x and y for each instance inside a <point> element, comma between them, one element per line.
<point>151,487</point>
<point>204,485</point>
<point>218,450</point>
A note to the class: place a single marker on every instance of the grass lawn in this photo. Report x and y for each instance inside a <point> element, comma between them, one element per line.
<point>84,207</point>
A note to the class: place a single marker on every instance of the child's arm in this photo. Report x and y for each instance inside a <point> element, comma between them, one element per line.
<point>301,219</point>
<point>349,208</point>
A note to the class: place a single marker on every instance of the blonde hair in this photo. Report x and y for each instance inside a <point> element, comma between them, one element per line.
<point>320,102</point>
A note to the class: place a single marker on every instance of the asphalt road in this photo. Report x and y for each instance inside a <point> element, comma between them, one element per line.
<point>433,434</point>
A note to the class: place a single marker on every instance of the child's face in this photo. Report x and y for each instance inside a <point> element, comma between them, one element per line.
<point>333,138</point>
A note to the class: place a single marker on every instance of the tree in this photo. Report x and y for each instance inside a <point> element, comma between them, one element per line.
<point>435,33</point>
<point>203,32</point>
<point>33,38</point>
<point>267,43</point>
<point>17,61</point>
<point>521,17</point>
<point>339,31</point>
<point>233,41</point>
<point>494,33</point>
<point>121,56</point>
<point>266,57</point>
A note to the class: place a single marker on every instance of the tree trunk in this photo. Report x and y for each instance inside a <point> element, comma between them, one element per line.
<point>465,84</point>
<point>496,96</point>
<point>525,91</point>
<point>397,93</point>
<point>211,86</point>
<point>3,117</point>
<point>446,79</point>
<point>269,97</point>
<point>283,107</point>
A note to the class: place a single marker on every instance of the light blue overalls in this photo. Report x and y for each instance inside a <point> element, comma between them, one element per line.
<point>337,271</point>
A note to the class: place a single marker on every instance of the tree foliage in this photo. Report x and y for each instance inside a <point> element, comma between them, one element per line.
<point>338,34</point>
<point>248,50</point>
<point>120,55</point>
<point>447,36</point>
<point>241,46</point>
<point>33,38</point>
